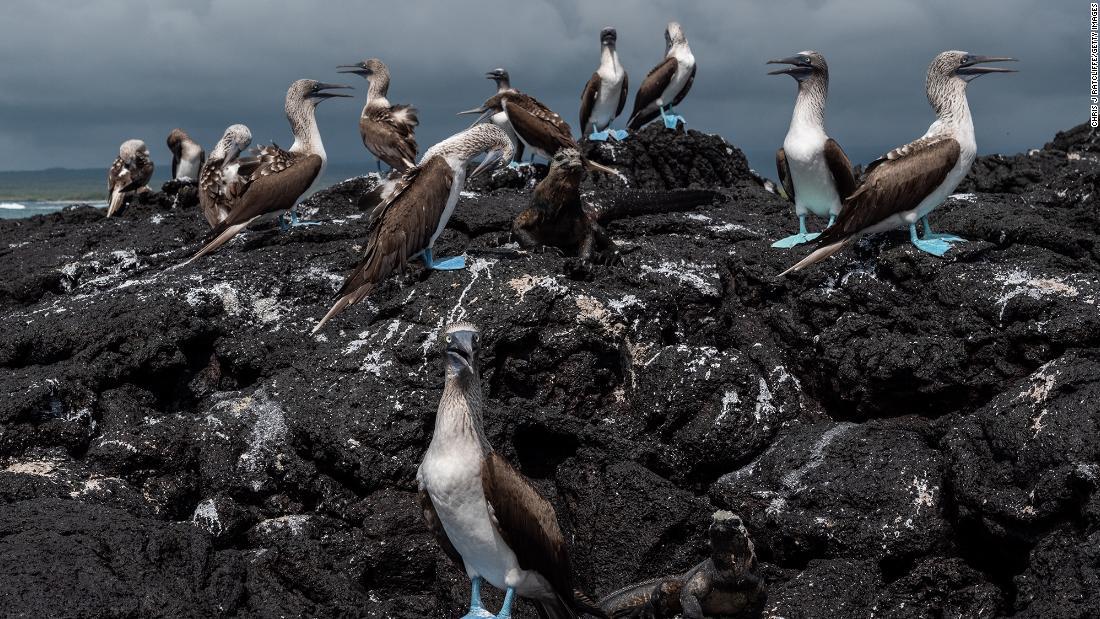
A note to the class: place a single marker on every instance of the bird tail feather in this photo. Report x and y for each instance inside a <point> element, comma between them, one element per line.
<point>116,201</point>
<point>223,237</point>
<point>817,255</point>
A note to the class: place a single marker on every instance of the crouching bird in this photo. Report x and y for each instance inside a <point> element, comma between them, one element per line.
<point>487,517</point>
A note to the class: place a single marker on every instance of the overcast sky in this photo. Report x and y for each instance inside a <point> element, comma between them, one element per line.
<point>79,77</point>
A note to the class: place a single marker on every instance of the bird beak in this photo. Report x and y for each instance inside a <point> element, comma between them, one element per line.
<point>491,158</point>
<point>485,113</point>
<point>969,71</point>
<point>319,92</point>
<point>491,76</point>
<point>354,68</point>
<point>798,69</point>
<point>460,350</point>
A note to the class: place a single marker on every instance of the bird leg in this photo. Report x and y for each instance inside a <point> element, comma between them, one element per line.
<point>506,609</point>
<point>936,247</point>
<point>294,221</point>
<point>797,239</point>
<point>948,238</point>
<point>477,611</point>
<point>671,119</point>
<point>450,264</point>
<point>598,136</point>
<point>620,134</point>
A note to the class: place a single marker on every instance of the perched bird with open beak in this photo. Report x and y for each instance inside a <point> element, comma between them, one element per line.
<point>815,173</point>
<point>485,515</point>
<point>903,186</point>
<point>408,223</point>
<point>220,182</point>
<point>500,119</point>
<point>277,178</point>
<point>388,131</point>
<point>129,173</point>
<point>666,84</point>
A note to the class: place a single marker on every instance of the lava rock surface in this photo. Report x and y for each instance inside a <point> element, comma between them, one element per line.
<point>903,435</point>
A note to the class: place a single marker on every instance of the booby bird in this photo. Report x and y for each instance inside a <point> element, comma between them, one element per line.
<point>906,184</point>
<point>220,182</point>
<point>407,224</point>
<point>666,85</point>
<point>604,95</point>
<point>536,125</point>
<point>814,170</point>
<point>130,172</point>
<point>187,156</point>
<point>276,178</point>
<point>388,130</point>
<point>500,119</point>
<point>485,515</point>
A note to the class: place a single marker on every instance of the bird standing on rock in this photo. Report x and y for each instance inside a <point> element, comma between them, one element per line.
<point>129,173</point>
<point>408,223</point>
<point>486,516</point>
<point>187,156</point>
<point>604,95</point>
<point>902,187</point>
<point>276,178</point>
<point>666,85</point>
<point>388,131</point>
<point>814,170</point>
<point>220,182</point>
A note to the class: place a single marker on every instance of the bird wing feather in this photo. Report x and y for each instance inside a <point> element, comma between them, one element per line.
<point>538,125</point>
<point>840,168</point>
<point>623,94</point>
<point>683,93</point>
<point>588,100</point>
<point>655,83</point>
<point>389,133</point>
<point>784,170</point>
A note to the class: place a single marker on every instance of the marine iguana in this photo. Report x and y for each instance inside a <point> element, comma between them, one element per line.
<point>725,585</point>
<point>558,216</point>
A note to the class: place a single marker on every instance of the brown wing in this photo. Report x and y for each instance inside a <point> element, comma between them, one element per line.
<point>683,93</point>
<point>784,170</point>
<point>399,229</point>
<point>840,168</point>
<point>527,523</point>
<point>175,163</point>
<point>277,178</point>
<point>143,172</point>
<point>388,132</point>
<point>431,520</point>
<point>538,125</point>
<point>210,190</point>
<point>645,101</point>
<point>588,100</point>
<point>623,94</point>
<point>894,185</point>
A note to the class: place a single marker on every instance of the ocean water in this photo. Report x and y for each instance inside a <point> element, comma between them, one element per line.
<point>35,192</point>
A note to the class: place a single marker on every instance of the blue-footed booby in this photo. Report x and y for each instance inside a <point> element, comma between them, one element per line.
<point>666,85</point>
<point>388,131</point>
<point>130,172</point>
<point>220,182</point>
<point>906,184</point>
<point>814,170</point>
<point>276,178</point>
<point>417,210</point>
<point>604,95</point>
<point>500,119</point>
<point>187,156</point>
<point>485,515</point>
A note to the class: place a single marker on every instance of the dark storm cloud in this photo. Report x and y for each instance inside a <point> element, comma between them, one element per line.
<point>80,77</point>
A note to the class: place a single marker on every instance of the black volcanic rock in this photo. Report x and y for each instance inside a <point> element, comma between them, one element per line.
<point>903,435</point>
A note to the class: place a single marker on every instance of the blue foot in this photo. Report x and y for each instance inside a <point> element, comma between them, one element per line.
<point>936,247</point>
<point>476,609</point>
<point>295,222</point>
<point>942,236</point>
<point>795,239</point>
<point>515,165</point>
<point>671,120</point>
<point>450,264</point>
<point>598,136</point>
<point>620,134</point>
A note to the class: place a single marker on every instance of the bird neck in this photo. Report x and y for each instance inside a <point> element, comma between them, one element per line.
<point>503,85</point>
<point>609,58</point>
<point>809,107</point>
<point>459,415</point>
<point>379,87</point>
<point>307,137</point>
<point>948,99</point>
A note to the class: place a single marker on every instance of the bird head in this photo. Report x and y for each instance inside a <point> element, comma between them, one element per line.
<point>803,66</point>
<point>312,92</point>
<point>497,75</point>
<point>131,150</point>
<point>608,36</point>
<point>176,139</point>
<point>461,147</point>
<point>674,35</point>
<point>235,139</point>
<point>964,66</point>
<point>365,68</point>
<point>462,345</point>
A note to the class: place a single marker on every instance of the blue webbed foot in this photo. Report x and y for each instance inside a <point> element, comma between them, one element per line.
<point>942,236</point>
<point>620,134</point>
<point>795,239</point>
<point>598,136</point>
<point>449,264</point>
<point>295,222</point>
<point>478,613</point>
<point>936,247</point>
